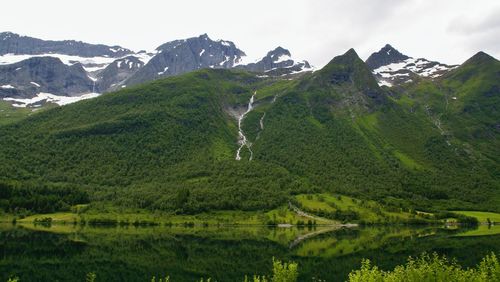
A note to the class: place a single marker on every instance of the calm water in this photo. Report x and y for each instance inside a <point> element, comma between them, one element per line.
<point>67,253</point>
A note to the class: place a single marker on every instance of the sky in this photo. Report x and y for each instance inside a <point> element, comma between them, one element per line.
<point>449,31</point>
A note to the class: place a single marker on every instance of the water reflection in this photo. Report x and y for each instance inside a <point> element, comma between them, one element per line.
<point>68,252</point>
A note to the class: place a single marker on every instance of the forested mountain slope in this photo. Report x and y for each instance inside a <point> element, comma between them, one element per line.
<point>171,144</point>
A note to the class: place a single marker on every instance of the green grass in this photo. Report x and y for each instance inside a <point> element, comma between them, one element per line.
<point>368,211</point>
<point>482,230</point>
<point>286,216</point>
<point>344,242</point>
<point>281,215</point>
<point>482,217</point>
<point>10,114</point>
<point>407,161</point>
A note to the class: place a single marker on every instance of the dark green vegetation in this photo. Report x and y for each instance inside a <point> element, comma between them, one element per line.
<point>38,253</point>
<point>425,268</point>
<point>10,114</point>
<point>170,145</point>
<point>430,268</point>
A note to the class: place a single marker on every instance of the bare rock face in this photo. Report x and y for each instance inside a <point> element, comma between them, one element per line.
<point>11,43</point>
<point>30,66</point>
<point>43,74</point>
<point>390,67</point>
<point>386,55</point>
<point>278,62</point>
<point>115,74</point>
<point>181,56</point>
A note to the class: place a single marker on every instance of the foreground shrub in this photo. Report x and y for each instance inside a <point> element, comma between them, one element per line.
<point>430,268</point>
<point>426,268</point>
<point>282,272</point>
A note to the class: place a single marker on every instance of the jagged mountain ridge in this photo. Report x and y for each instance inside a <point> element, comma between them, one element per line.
<point>43,74</point>
<point>12,43</point>
<point>278,61</point>
<point>114,67</point>
<point>181,56</point>
<point>391,67</point>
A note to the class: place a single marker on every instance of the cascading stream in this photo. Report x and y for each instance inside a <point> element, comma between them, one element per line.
<point>262,121</point>
<point>242,139</point>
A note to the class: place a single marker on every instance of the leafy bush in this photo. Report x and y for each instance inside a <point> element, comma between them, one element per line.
<point>282,272</point>
<point>430,268</point>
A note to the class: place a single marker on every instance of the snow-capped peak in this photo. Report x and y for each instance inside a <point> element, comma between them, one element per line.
<point>390,67</point>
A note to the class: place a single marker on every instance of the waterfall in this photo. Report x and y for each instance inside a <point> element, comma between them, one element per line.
<point>242,139</point>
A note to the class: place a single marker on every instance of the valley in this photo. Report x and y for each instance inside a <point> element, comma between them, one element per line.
<point>170,145</point>
<point>147,163</point>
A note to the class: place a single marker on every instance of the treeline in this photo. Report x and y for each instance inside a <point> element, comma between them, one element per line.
<point>462,219</point>
<point>170,145</point>
<point>23,197</point>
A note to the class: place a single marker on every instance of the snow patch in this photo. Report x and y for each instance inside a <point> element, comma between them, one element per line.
<point>49,98</point>
<point>35,84</point>
<point>419,66</point>
<point>164,71</point>
<point>282,58</point>
<point>7,86</point>
<point>145,57</point>
<point>114,50</point>
<point>69,60</point>
<point>90,64</point>
<point>244,60</point>
<point>384,83</point>
<point>225,60</point>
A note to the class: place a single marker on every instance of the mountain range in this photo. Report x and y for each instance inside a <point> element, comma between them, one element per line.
<point>218,134</point>
<point>72,68</point>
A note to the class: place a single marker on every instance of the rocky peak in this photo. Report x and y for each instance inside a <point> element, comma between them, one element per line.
<point>181,56</point>
<point>278,62</point>
<point>43,74</point>
<point>279,54</point>
<point>480,58</point>
<point>386,55</point>
<point>12,43</point>
<point>390,67</point>
<point>348,68</point>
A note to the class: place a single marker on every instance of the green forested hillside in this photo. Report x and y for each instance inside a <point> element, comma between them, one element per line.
<point>171,144</point>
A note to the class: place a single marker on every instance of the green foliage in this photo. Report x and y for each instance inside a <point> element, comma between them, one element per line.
<point>91,276</point>
<point>169,145</point>
<point>430,268</point>
<point>67,252</point>
<point>482,217</point>
<point>166,279</point>
<point>282,272</point>
<point>10,114</point>
<point>426,268</point>
<point>39,197</point>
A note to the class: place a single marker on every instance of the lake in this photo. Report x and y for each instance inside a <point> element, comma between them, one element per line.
<point>67,253</point>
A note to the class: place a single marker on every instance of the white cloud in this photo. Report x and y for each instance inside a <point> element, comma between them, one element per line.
<point>316,30</point>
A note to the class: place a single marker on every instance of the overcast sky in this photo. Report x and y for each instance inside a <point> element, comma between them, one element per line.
<point>449,31</point>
